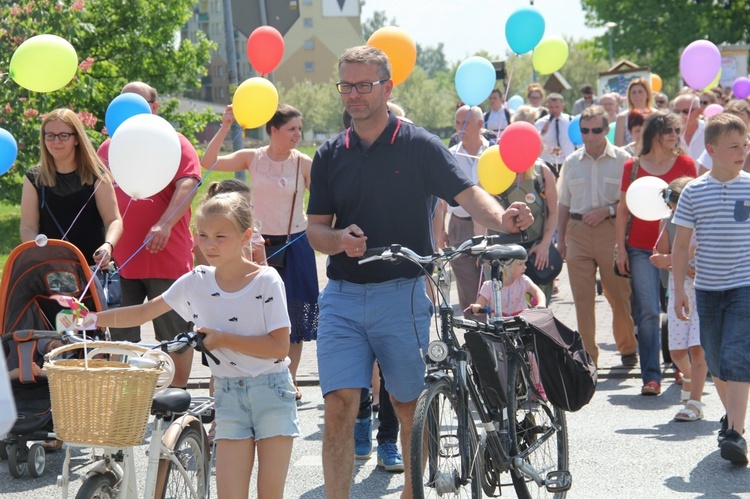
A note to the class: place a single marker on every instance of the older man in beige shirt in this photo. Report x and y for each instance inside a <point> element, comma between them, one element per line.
<point>589,192</point>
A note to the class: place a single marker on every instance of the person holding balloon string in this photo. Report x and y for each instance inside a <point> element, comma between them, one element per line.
<point>280,174</point>
<point>660,157</point>
<point>69,194</point>
<point>156,245</point>
<point>639,97</point>
<point>741,109</point>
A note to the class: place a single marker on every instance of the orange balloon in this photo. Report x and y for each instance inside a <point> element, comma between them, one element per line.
<point>655,82</point>
<point>400,49</point>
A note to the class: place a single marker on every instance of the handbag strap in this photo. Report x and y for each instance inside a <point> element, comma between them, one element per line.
<point>294,199</point>
<point>633,174</point>
<point>52,215</point>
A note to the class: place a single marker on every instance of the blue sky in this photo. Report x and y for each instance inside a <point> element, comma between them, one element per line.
<point>465,26</point>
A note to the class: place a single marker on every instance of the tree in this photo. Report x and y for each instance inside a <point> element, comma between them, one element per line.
<point>426,103</point>
<point>319,103</point>
<point>653,33</point>
<point>116,43</point>
<point>432,60</point>
<point>377,21</point>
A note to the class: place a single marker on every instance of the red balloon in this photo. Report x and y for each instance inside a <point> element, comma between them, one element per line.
<point>265,49</point>
<point>520,145</point>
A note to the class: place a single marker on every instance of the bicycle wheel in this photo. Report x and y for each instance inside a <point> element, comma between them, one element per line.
<point>193,457</point>
<point>98,486</point>
<point>443,446</point>
<point>530,421</point>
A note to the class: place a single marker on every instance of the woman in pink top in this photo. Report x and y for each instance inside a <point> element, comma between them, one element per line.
<point>275,171</point>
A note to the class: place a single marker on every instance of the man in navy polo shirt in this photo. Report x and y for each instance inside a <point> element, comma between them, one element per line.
<point>377,183</point>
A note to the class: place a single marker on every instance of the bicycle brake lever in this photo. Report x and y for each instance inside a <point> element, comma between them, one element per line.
<point>199,346</point>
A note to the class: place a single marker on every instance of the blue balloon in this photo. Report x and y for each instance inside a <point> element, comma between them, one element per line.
<point>475,79</point>
<point>515,102</point>
<point>574,131</point>
<point>8,150</point>
<point>524,29</point>
<point>122,107</point>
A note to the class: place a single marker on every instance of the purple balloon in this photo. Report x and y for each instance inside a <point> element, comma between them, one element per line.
<point>700,63</point>
<point>741,87</point>
<point>713,110</point>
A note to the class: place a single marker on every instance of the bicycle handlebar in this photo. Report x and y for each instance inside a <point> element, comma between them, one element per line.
<point>475,246</point>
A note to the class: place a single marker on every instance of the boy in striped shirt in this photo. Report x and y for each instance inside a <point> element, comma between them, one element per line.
<point>717,206</point>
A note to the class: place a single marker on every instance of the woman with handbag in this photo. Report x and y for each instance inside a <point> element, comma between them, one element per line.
<point>69,194</point>
<point>636,239</point>
<point>279,175</point>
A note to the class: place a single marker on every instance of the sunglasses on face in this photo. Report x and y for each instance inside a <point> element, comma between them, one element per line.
<point>683,111</point>
<point>705,103</point>
<point>669,130</point>
<point>661,102</point>
<point>597,131</point>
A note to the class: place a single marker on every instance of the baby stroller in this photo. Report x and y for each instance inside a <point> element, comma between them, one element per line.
<point>28,320</point>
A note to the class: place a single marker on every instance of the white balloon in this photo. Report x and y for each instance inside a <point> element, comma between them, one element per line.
<point>144,155</point>
<point>645,200</point>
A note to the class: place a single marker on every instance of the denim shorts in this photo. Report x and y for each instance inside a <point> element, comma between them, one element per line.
<point>260,407</point>
<point>725,332</point>
<point>358,323</point>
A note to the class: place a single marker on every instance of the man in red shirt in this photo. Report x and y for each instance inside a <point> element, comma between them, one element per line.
<point>163,223</point>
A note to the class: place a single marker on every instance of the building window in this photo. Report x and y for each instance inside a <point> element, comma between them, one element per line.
<point>309,44</point>
<point>309,67</point>
<point>221,92</point>
<point>306,2</point>
<point>221,71</point>
<point>307,22</point>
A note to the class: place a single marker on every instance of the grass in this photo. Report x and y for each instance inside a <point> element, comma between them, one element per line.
<point>10,215</point>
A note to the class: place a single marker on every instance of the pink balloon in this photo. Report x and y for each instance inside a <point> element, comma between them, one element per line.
<point>700,63</point>
<point>741,87</point>
<point>520,145</point>
<point>713,110</point>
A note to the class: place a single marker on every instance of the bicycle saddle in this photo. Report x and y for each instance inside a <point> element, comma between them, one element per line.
<point>171,400</point>
<point>504,253</point>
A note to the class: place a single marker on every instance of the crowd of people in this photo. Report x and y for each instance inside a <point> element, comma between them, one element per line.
<point>384,179</point>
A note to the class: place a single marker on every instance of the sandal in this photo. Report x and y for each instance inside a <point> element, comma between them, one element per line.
<point>685,394</point>
<point>693,411</point>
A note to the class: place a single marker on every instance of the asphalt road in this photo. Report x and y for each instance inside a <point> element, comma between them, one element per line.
<point>622,445</point>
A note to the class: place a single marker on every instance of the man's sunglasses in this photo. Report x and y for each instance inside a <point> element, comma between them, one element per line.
<point>586,131</point>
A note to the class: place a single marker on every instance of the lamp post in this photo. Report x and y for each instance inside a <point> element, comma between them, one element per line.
<point>611,26</point>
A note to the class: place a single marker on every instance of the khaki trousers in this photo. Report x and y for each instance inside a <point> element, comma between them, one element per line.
<point>465,269</point>
<point>588,248</point>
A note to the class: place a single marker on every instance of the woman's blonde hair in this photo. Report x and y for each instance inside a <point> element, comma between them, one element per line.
<point>230,205</point>
<point>88,165</point>
<point>649,96</point>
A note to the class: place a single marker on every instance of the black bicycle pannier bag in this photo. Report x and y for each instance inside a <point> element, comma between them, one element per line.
<point>490,362</point>
<point>566,369</point>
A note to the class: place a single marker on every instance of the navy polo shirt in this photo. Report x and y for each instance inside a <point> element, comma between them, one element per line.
<point>389,190</point>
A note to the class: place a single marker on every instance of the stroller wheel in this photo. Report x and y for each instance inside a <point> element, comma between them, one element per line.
<point>17,460</point>
<point>37,460</point>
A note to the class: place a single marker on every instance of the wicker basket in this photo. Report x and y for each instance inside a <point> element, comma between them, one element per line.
<point>104,405</point>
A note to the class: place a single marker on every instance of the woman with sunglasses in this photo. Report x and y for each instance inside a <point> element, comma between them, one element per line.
<point>660,157</point>
<point>639,97</point>
<point>69,194</point>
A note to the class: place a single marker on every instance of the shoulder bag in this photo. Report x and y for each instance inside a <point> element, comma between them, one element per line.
<point>276,246</point>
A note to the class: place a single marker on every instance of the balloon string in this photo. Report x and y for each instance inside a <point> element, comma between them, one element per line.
<point>82,208</point>
<point>684,131</point>
<point>510,79</point>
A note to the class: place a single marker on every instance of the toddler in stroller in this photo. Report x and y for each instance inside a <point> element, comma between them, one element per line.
<point>29,323</point>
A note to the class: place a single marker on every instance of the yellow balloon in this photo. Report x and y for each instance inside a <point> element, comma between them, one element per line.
<point>494,176</point>
<point>255,102</point>
<point>714,83</point>
<point>550,55</point>
<point>400,48</point>
<point>655,82</point>
<point>44,63</point>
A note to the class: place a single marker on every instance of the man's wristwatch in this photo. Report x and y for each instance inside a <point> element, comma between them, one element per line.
<point>611,211</point>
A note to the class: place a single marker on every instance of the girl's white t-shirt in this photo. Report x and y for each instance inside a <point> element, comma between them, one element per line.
<point>513,295</point>
<point>254,310</point>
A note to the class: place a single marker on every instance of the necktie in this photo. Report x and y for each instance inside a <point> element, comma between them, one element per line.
<point>557,131</point>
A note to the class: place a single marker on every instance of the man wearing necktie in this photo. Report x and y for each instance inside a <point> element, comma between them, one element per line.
<point>556,145</point>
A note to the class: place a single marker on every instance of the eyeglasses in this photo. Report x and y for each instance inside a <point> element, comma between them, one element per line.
<point>660,102</point>
<point>669,130</point>
<point>705,103</point>
<point>64,137</point>
<point>683,111</point>
<point>534,96</point>
<point>586,131</point>
<point>364,87</point>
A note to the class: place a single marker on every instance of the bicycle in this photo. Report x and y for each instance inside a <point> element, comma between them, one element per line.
<point>179,456</point>
<point>470,428</point>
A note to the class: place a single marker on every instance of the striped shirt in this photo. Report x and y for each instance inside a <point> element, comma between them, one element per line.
<point>720,214</point>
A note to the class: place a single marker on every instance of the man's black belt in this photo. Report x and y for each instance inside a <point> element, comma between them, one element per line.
<point>578,216</point>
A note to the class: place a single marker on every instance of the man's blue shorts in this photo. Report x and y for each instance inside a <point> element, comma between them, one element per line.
<point>358,323</point>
